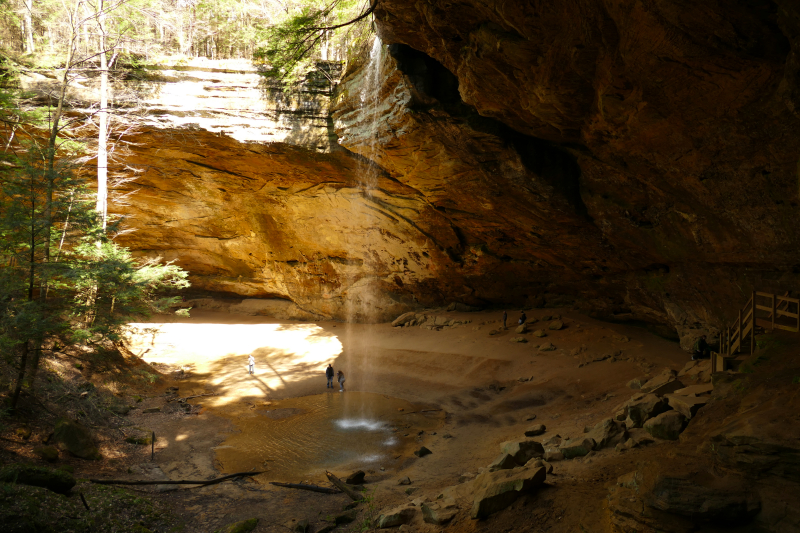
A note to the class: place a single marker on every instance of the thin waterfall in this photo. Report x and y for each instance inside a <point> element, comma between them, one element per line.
<point>362,287</point>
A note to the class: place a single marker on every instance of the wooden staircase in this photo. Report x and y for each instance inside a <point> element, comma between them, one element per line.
<point>764,310</point>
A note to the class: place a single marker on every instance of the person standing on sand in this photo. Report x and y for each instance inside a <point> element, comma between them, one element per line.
<point>251,364</point>
<point>701,350</point>
<point>505,317</point>
<point>341,381</point>
<point>329,375</point>
<point>522,318</point>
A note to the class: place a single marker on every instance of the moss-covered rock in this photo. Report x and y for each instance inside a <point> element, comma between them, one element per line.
<point>48,453</point>
<point>75,439</point>
<point>38,476</point>
<point>245,526</point>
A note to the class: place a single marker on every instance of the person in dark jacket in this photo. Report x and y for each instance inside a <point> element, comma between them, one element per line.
<point>505,318</point>
<point>701,350</point>
<point>522,318</point>
<point>329,375</point>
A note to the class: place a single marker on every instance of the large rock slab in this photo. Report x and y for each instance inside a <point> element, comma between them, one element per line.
<point>576,447</point>
<point>502,462</point>
<point>404,318</point>
<point>439,512</point>
<point>497,490</point>
<point>696,372</point>
<point>76,439</point>
<point>686,405</point>
<point>396,517</point>
<point>664,378</point>
<point>666,426</point>
<point>522,451</point>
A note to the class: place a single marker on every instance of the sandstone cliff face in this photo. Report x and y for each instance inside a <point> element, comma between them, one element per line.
<point>638,161</point>
<point>646,155</point>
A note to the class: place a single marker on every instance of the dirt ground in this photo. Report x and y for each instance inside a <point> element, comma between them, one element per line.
<point>488,388</point>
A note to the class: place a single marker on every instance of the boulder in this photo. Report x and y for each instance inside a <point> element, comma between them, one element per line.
<point>422,452</point>
<point>356,478</point>
<point>402,319</point>
<point>439,513</point>
<point>686,405</point>
<point>696,371</point>
<point>556,325</point>
<point>660,380</point>
<point>642,407</point>
<point>539,333</point>
<point>522,328</point>
<point>666,426</point>
<point>75,439</point>
<point>38,476</point>
<point>533,431</point>
<point>24,433</point>
<point>636,383</point>
<point>497,490</point>
<point>502,462</point>
<point>576,447</point>
<point>244,526</point>
<point>396,517</point>
<point>48,453</point>
<point>405,481</point>
<point>547,347</point>
<point>609,432</point>
<point>518,339</point>
<point>553,455</point>
<point>522,451</point>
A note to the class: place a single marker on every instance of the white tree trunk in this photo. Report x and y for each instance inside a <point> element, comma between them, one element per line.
<point>102,134</point>
<point>28,23</point>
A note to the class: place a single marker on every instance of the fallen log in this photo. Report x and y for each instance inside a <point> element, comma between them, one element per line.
<point>344,487</point>
<point>302,486</point>
<point>170,482</point>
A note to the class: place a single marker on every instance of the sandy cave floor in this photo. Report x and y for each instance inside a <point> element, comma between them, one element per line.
<point>472,377</point>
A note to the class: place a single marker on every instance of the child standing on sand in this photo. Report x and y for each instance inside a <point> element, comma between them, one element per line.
<point>341,380</point>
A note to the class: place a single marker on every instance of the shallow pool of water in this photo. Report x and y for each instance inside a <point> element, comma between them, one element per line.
<point>300,438</point>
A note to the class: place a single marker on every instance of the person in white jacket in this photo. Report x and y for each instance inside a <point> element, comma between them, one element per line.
<point>251,364</point>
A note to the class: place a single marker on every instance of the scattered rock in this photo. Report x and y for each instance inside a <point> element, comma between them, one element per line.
<point>297,526</point>
<point>405,481</point>
<point>48,453</point>
<point>553,455</point>
<point>502,462</point>
<point>396,517</point>
<point>576,447</point>
<point>539,333</point>
<point>75,439</point>
<point>696,371</point>
<point>666,426</point>
<point>533,431</point>
<point>437,513</point>
<point>24,433</point>
<point>532,417</point>
<point>38,476</point>
<point>685,405</point>
<point>556,325</point>
<point>609,432</point>
<point>636,383</point>
<point>666,376</point>
<point>518,339</point>
<point>245,526</point>
<point>523,328</point>
<point>422,452</point>
<point>522,451</point>
<point>547,347</point>
<point>642,407</point>
<point>152,410</point>
<point>356,478</point>
<point>497,490</point>
<point>411,490</point>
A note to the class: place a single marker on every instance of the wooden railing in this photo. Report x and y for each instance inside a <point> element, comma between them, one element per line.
<point>763,309</point>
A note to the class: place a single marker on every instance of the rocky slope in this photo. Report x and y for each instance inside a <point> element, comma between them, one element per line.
<point>639,162</point>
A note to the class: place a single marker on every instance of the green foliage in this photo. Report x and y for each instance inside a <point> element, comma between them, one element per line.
<point>311,33</point>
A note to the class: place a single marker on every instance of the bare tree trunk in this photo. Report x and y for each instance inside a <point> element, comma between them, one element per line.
<point>28,21</point>
<point>102,134</point>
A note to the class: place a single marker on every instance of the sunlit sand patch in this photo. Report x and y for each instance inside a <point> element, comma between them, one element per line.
<point>284,353</point>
